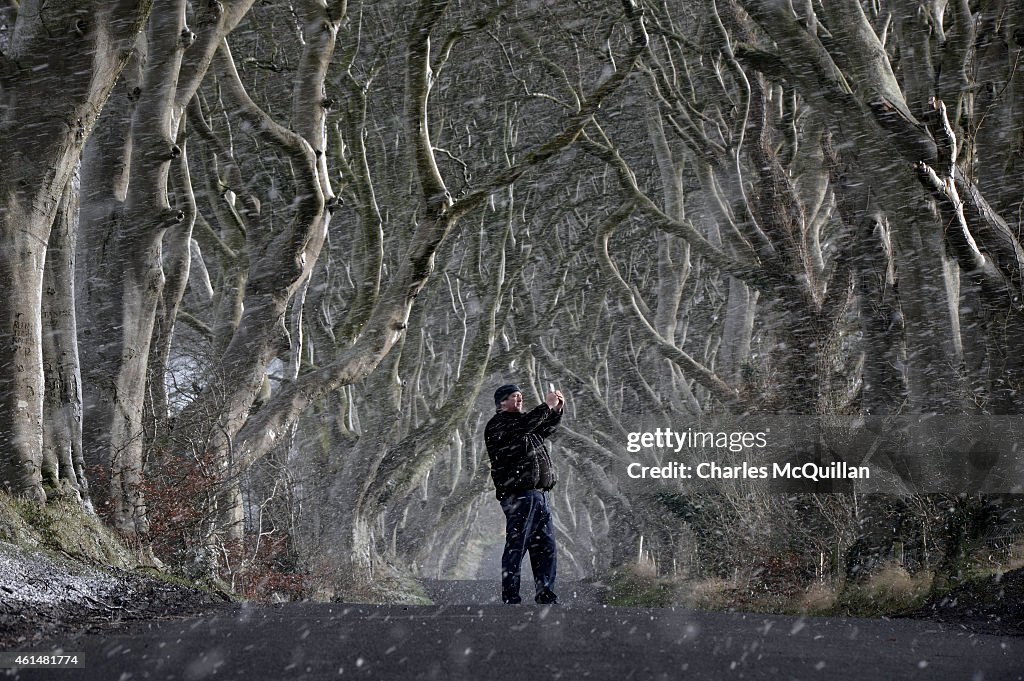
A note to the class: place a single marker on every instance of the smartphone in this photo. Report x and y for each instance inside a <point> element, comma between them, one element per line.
<point>551,387</point>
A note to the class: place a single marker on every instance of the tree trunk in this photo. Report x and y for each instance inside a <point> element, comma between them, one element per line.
<point>148,215</point>
<point>876,117</point>
<point>63,463</point>
<point>99,277</point>
<point>128,226</point>
<point>63,60</point>
<point>999,106</point>
<point>883,390</point>
<point>21,363</point>
<point>176,261</point>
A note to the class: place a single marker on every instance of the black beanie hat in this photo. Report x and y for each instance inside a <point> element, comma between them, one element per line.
<point>504,391</point>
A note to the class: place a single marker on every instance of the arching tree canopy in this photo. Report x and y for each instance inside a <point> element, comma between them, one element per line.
<point>265,262</point>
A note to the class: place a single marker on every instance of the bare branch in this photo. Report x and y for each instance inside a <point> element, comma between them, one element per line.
<point>573,128</point>
<point>707,378</point>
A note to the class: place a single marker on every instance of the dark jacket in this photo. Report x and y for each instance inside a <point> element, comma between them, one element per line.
<point>515,445</point>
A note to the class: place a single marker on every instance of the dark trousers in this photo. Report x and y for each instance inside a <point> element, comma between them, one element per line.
<point>528,527</point>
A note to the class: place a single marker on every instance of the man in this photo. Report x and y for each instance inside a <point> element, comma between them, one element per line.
<point>522,473</point>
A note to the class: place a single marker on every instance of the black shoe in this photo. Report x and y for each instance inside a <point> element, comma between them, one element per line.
<point>511,601</point>
<point>547,598</point>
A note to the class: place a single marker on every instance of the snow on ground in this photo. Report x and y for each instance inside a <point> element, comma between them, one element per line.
<point>47,596</point>
<point>32,577</point>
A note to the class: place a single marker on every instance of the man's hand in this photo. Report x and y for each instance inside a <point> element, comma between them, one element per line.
<point>555,400</point>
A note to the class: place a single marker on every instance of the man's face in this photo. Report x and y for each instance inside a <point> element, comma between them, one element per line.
<point>513,402</point>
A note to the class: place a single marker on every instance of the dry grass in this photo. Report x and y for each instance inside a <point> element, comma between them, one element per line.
<point>726,594</point>
<point>1014,561</point>
<point>709,594</point>
<point>817,599</point>
<point>645,568</point>
<point>637,585</point>
<point>889,590</point>
<point>350,583</point>
<point>62,525</point>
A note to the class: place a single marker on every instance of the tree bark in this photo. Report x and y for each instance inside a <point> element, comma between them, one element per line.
<point>176,261</point>
<point>63,462</point>
<point>147,215</point>
<point>99,279</point>
<point>875,115</point>
<point>62,61</point>
<point>131,224</point>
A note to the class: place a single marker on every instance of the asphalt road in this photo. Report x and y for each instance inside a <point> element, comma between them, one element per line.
<point>571,641</point>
